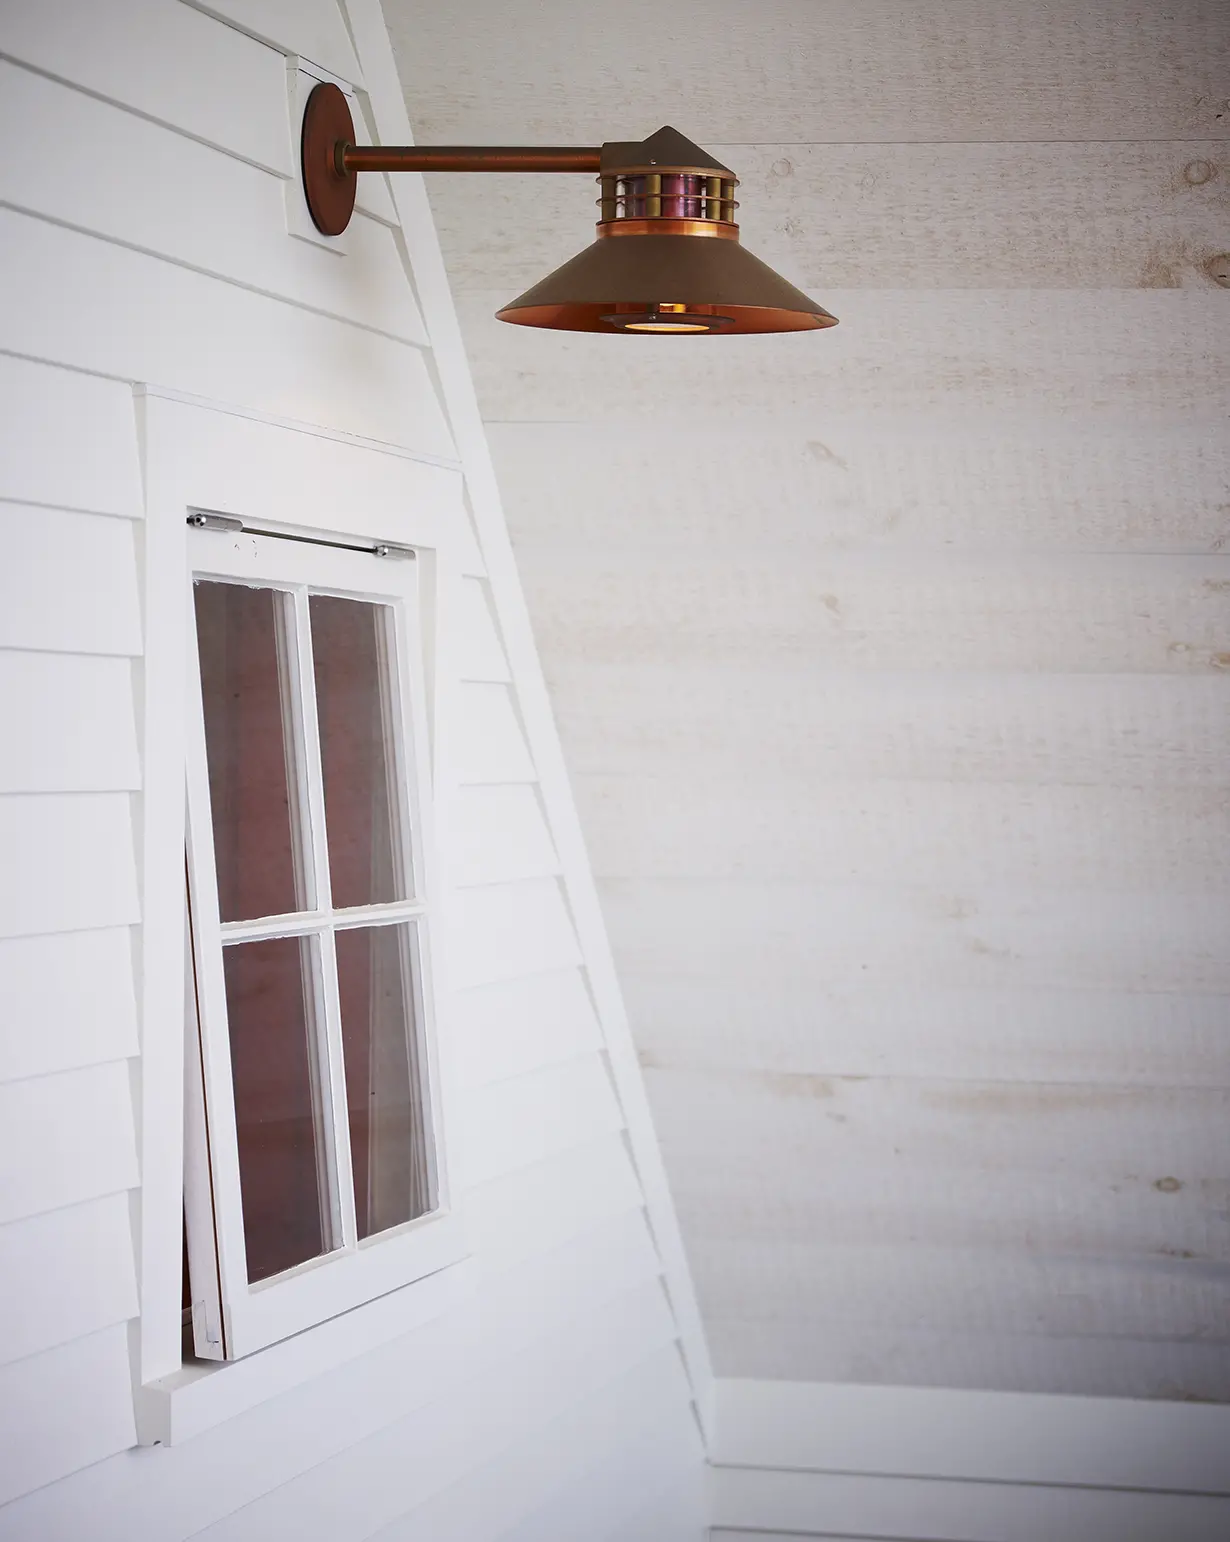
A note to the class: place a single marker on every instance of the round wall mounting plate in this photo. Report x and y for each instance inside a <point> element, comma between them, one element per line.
<point>329,190</point>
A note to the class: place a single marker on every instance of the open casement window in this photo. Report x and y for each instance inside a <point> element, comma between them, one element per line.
<point>314,1177</point>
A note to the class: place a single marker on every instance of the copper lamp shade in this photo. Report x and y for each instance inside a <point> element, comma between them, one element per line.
<point>667,258</point>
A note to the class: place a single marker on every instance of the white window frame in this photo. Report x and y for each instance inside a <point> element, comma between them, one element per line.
<point>306,481</point>
<point>232,1318</point>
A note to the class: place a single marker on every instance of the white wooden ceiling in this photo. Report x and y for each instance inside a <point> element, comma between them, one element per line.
<point>893,663</point>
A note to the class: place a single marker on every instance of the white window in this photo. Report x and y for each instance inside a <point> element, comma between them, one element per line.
<point>315,1177</point>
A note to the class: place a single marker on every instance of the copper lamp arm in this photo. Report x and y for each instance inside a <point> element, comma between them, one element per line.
<point>468,158</point>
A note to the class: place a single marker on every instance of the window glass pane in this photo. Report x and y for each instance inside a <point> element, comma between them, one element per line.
<point>353,705</point>
<point>278,1102</point>
<point>249,746</point>
<point>387,1148</point>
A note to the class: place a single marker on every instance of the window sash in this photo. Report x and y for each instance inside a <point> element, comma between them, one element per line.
<point>232,1317</point>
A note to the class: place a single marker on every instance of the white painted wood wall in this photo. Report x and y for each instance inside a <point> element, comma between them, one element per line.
<point>891,667</point>
<point>144,243</point>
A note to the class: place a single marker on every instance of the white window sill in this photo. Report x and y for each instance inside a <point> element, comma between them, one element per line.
<point>201,1395</point>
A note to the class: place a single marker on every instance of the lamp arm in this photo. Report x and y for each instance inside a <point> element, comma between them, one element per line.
<point>582,158</point>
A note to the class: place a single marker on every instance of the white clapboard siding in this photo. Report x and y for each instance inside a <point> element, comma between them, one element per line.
<point>68,861</point>
<point>884,610</point>
<point>955,71</point>
<point>386,1389</point>
<point>516,1123</point>
<point>480,654</point>
<point>126,314</point>
<point>93,164</point>
<point>488,743</point>
<point>515,1026</point>
<point>1042,216</point>
<point>69,724</point>
<point>68,1001</point>
<point>373,1482</point>
<point>263,470</point>
<point>64,1275</point>
<point>70,441</point>
<point>935,835</point>
<point>610,1493</point>
<point>494,1504</point>
<point>920,1510</point>
<point>63,1410</point>
<point>68,582</point>
<point>127,60</point>
<point>500,835</point>
<point>678,1513</point>
<point>65,1139</point>
<point>1120,730</point>
<point>1151,351</point>
<point>995,1437</point>
<point>924,480</point>
<point>1158,1370</point>
<point>313,28</point>
<point>1120,1037</point>
<point>536,1209</point>
<point>841,935</point>
<point>511,929</point>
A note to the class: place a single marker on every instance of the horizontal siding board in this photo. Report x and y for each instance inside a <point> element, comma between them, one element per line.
<point>488,743</point>
<point>837,936</point>
<point>500,835</point>
<point>516,1026</point>
<point>1119,731</point>
<point>536,1209</point>
<point>517,1123</point>
<point>66,1139</point>
<point>123,313</point>
<point>506,930</point>
<point>884,610</point>
<point>1074,1366</point>
<point>70,724</point>
<point>928,480</point>
<point>984,1437</point>
<point>69,863</point>
<point>1149,352</point>
<point>131,64</point>
<point>79,170</point>
<point>61,1411</point>
<point>959,72</point>
<point>70,441</point>
<point>936,216</point>
<point>311,28</point>
<point>821,1504</point>
<point>69,582</point>
<point>933,835</point>
<point>480,653</point>
<point>1120,1037</point>
<point>68,1001</point>
<point>65,1275</point>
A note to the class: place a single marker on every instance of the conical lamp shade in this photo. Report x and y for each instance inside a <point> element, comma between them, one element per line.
<point>696,275</point>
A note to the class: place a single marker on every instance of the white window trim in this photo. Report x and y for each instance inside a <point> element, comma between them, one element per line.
<point>200,454</point>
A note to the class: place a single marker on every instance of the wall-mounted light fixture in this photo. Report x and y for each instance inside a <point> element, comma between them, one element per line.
<point>667,259</point>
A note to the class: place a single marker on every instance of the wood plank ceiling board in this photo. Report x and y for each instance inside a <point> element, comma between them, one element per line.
<point>893,665</point>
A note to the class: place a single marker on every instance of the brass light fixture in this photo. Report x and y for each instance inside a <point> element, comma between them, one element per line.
<point>667,260</point>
